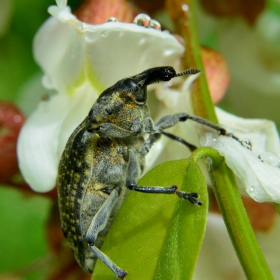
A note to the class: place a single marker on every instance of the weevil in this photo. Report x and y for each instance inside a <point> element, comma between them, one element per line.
<point>104,158</point>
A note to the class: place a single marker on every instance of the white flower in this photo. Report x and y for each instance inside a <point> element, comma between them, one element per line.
<point>79,61</point>
<point>260,177</point>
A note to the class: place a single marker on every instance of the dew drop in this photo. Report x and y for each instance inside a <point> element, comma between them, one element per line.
<point>104,33</point>
<point>185,7</point>
<point>251,189</point>
<point>155,24</point>
<point>142,20</point>
<point>247,143</point>
<point>270,158</point>
<point>209,139</point>
<point>112,19</point>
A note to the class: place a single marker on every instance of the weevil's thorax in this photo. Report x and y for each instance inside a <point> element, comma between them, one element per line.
<point>123,108</point>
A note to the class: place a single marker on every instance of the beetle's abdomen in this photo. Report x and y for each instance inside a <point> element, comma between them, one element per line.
<point>74,174</point>
<point>88,172</point>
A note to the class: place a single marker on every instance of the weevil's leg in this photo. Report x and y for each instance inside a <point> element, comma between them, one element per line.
<point>97,224</point>
<point>112,130</point>
<point>100,220</point>
<point>154,137</point>
<point>171,120</point>
<point>180,140</point>
<point>133,173</point>
<point>149,143</point>
<point>191,197</point>
<point>120,273</point>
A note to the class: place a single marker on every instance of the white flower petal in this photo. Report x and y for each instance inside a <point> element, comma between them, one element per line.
<point>44,136</point>
<point>38,142</point>
<point>70,51</point>
<point>263,133</point>
<point>61,3</point>
<point>261,180</point>
<point>79,107</point>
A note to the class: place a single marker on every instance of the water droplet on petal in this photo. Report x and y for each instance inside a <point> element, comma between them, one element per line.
<point>270,158</point>
<point>142,20</point>
<point>155,24</point>
<point>104,33</point>
<point>209,139</point>
<point>166,31</point>
<point>247,143</point>
<point>112,19</point>
<point>251,189</point>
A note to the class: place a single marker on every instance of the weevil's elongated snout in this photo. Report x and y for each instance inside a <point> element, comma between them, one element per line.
<point>160,74</point>
<point>155,75</point>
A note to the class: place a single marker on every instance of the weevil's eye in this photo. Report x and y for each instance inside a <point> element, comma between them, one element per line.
<point>168,73</point>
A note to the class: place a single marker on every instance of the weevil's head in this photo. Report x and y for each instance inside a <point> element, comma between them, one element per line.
<point>136,86</point>
<point>126,100</point>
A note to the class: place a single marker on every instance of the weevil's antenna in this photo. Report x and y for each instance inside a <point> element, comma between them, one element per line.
<point>190,71</point>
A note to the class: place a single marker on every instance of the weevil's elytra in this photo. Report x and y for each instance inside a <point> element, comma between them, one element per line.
<point>104,158</point>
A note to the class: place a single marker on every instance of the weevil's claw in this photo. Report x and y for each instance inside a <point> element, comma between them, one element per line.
<point>191,197</point>
<point>122,274</point>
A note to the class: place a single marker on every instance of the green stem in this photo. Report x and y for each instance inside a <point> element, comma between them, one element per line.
<point>235,217</point>
<point>181,13</point>
<point>223,180</point>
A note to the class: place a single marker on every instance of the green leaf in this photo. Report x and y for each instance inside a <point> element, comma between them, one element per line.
<point>158,236</point>
<point>22,234</point>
